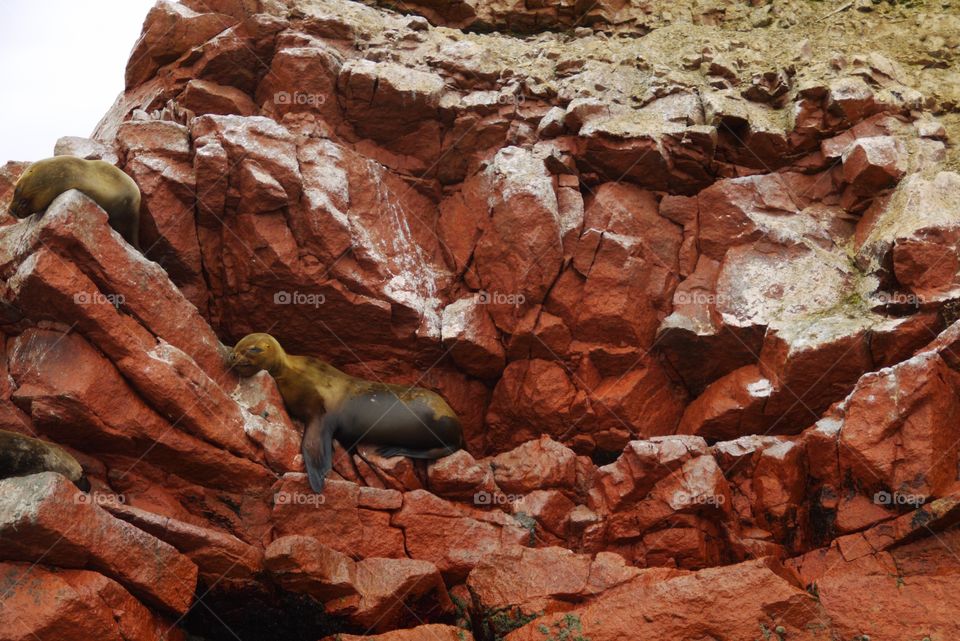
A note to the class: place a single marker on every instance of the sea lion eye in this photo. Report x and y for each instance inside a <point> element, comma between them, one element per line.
<point>254,350</point>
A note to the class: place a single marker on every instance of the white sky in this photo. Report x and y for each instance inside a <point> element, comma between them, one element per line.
<point>63,63</point>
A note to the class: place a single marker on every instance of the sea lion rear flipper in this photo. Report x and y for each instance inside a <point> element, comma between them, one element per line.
<point>317,449</point>
<point>434,453</point>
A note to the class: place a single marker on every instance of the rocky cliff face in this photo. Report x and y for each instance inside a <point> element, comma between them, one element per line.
<point>689,274</point>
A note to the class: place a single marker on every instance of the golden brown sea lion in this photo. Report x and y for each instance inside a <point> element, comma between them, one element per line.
<point>23,455</point>
<point>109,187</point>
<point>404,421</point>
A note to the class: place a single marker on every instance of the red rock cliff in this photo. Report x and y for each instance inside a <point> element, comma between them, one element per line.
<point>689,274</point>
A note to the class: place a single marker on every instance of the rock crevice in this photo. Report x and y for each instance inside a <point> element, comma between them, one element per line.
<point>687,273</point>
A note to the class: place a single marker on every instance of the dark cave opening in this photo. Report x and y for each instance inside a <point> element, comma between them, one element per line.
<point>260,616</point>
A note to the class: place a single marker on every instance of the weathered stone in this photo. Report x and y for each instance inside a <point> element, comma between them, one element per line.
<point>46,603</point>
<point>44,517</point>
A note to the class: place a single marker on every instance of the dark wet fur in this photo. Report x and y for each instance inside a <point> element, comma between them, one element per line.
<point>400,429</point>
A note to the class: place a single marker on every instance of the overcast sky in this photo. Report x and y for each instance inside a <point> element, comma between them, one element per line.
<point>62,63</point>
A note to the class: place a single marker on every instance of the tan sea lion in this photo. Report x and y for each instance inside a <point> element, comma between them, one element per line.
<point>109,187</point>
<point>404,421</point>
<point>23,455</point>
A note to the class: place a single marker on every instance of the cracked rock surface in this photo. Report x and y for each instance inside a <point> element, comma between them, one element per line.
<point>687,272</point>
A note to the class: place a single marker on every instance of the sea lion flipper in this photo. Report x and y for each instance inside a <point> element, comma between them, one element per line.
<point>317,449</point>
<point>434,453</point>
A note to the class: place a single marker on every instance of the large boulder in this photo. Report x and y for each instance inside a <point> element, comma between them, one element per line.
<point>49,603</point>
<point>43,517</point>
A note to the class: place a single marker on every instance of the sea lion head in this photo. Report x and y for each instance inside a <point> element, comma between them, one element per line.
<point>255,352</point>
<point>21,206</point>
<point>34,189</point>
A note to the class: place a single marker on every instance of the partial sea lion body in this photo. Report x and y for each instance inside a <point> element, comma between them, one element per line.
<point>23,455</point>
<point>108,186</point>
<point>380,415</point>
<point>404,421</point>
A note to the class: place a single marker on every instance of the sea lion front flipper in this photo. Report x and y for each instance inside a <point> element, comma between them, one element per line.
<point>317,449</point>
<point>434,453</point>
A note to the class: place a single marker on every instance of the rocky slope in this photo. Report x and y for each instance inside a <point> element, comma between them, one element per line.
<point>688,273</point>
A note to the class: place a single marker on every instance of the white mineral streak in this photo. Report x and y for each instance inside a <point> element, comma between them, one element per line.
<point>456,325</point>
<point>412,278</point>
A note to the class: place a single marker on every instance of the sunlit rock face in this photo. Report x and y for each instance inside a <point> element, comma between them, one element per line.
<point>687,274</point>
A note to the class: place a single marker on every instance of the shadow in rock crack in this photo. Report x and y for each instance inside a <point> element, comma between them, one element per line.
<point>259,616</point>
<point>604,457</point>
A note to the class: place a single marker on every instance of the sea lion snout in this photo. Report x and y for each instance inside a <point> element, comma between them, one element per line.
<point>19,208</point>
<point>242,365</point>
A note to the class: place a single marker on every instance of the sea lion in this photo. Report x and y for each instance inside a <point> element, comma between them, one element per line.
<point>109,187</point>
<point>404,421</point>
<point>23,455</point>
